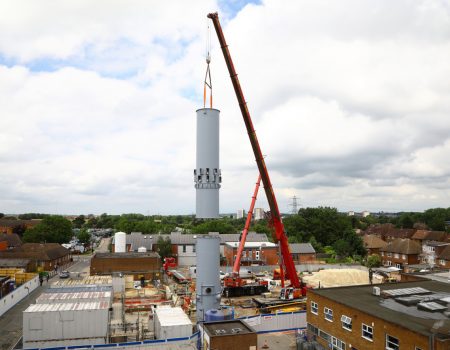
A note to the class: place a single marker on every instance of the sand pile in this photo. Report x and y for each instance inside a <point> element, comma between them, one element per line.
<point>337,278</point>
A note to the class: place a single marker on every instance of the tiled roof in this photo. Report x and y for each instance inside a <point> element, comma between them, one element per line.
<point>302,248</point>
<point>5,262</point>
<point>39,251</point>
<point>389,230</point>
<point>12,239</point>
<point>373,242</point>
<point>430,235</point>
<point>403,246</point>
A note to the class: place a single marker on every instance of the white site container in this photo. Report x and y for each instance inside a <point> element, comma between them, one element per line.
<point>78,322</point>
<point>172,323</point>
<point>77,297</point>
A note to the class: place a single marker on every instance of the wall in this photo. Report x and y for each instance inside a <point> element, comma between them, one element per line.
<point>281,321</point>
<point>187,258</point>
<point>164,344</point>
<point>267,255</point>
<point>299,268</point>
<point>304,258</point>
<point>20,293</point>
<point>147,266</point>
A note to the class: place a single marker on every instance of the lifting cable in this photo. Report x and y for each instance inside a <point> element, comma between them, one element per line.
<point>207,82</point>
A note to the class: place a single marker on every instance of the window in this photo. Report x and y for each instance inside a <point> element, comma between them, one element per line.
<point>398,266</point>
<point>328,314</point>
<point>396,255</point>
<point>312,329</point>
<point>325,336</point>
<point>367,332</point>
<point>389,255</point>
<point>314,308</point>
<point>382,253</point>
<point>337,344</point>
<point>389,263</point>
<point>184,248</point>
<point>442,262</point>
<point>193,248</point>
<point>403,256</point>
<point>391,343</point>
<point>346,322</point>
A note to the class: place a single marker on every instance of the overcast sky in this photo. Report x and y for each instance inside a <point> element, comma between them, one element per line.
<point>350,100</point>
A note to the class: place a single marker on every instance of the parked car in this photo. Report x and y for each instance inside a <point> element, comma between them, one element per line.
<point>64,274</point>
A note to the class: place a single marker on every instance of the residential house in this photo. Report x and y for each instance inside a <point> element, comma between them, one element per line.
<point>9,241</point>
<point>302,253</point>
<point>46,256</point>
<point>9,226</point>
<point>373,244</point>
<point>430,252</point>
<point>375,317</point>
<point>443,258</point>
<point>400,253</point>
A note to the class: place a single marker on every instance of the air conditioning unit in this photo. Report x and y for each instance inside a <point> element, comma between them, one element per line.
<point>376,291</point>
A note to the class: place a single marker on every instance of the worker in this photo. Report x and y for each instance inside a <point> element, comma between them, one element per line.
<point>41,280</point>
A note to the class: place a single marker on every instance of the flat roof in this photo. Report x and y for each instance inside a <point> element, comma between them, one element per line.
<point>252,244</point>
<point>94,296</point>
<point>98,305</point>
<point>127,255</point>
<point>172,316</point>
<point>232,327</point>
<point>390,309</point>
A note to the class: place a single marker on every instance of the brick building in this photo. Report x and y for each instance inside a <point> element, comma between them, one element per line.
<point>228,335</point>
<point>302,253</point>
<point>147,265</point>
<point>400,253</point>
<point>45,256</point>
<point>9,241</point>
<point>401,316</point>
<point>388,232</point>
<point>259,253</point>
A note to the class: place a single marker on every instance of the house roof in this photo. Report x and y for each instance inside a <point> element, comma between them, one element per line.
<point>12,239</point>
<point>389,230</point>
<point>403,246</point>
<point>301,248</point>
<point>373,242</point>
<point>14,223</point>
<point>38,251</point>
<point>430,235</point>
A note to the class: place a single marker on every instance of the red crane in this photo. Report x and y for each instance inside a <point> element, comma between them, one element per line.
<point>237,263</point>
<point>233,284</point>
<point>279,235</point>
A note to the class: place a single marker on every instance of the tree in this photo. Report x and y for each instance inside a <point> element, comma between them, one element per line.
<point>214,226</point>
<point>373,260</point>
<point>52,229</point>
<point>79,221</point>
<point>1,215</point>
<point>84,236</point>
<point>164,247</point>
<point>342,248</point>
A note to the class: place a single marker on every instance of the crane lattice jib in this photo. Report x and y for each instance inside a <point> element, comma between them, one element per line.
<point>279,234</point>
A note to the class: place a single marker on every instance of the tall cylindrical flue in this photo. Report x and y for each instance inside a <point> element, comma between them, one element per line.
<point>120,242</point>
<point>208,281</point>
<point>207,174</point>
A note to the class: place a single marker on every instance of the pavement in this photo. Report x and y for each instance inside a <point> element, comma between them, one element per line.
<point>11,321</point>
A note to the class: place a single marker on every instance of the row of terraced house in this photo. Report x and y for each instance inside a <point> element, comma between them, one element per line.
<point>408,249</point>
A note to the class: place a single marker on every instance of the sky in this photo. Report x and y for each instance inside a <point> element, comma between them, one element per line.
<point>350,102</point>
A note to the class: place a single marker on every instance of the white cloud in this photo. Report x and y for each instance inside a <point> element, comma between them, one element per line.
<point>349,100</point>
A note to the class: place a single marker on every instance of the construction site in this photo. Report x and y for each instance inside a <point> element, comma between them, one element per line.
<point>133,299</point>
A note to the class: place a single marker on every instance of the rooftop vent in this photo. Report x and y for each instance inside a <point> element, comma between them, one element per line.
<point>376,291</point>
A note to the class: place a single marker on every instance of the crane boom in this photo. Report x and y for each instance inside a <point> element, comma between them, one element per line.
<point>237,262</point>
<point>278,228</point>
